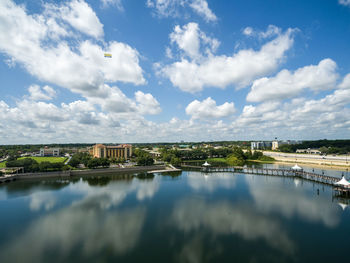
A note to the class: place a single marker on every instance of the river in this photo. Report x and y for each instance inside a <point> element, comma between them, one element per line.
<point>185,217</point>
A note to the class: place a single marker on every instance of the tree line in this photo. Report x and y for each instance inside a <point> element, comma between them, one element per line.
<point>325,146</point>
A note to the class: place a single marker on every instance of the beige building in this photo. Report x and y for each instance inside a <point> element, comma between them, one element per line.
<point>274,145</point>
<point>115,151</point>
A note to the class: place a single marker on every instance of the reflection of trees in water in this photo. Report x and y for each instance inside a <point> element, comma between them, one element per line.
<point>103,180</point>
<point>97,181</point>
<point>145,176</point>
<point>26,187</point>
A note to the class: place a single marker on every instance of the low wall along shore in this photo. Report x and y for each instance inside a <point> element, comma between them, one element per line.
<point>103,171</point>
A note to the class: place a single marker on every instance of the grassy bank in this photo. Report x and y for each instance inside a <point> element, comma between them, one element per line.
<point>40,160</point>
<point>47,159</point>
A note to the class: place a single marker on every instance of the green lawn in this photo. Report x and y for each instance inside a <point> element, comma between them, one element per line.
<point>3,164</point>
<point>47,159</point>
<point>216,159</point>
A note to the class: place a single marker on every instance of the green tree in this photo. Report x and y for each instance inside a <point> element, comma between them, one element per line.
<point>234,160</point>
<point>175,161</point>
<point>93,163</point>
<point>145,160</point>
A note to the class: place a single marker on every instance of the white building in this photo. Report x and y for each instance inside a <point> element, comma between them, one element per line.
<point>49,151</point>
<point>260,145</point>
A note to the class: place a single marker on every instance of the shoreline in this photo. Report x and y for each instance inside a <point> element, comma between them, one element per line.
<point>316,165</point>
<point>92,172</point>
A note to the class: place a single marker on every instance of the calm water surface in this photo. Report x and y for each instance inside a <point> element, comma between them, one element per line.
<point>190,217</point>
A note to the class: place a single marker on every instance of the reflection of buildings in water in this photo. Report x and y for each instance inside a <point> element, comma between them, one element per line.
<point>297,182</point>
<point>342,201</point>
<point>222,218</point>
<point>275,196</point>
<point>343,206</point>
<point>82,229</point>
<point>211,181</point>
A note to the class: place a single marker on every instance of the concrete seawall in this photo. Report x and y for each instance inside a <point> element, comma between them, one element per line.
<point>103,171</point>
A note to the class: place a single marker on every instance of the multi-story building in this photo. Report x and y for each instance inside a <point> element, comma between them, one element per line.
<point>260,145</point>
<point>49,151</point>
<point>111,151</point>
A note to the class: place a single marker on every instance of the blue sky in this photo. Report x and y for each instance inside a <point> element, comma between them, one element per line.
<point>190,70</point>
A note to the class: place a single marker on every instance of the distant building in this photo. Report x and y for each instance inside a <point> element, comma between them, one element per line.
<point>309,151</point>
<point>49,151</point>
<point>276,144</point>
<point>260,145</point>
<point>111,151</point>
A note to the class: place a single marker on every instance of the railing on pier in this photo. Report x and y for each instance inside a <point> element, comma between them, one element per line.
<point>320,178</point>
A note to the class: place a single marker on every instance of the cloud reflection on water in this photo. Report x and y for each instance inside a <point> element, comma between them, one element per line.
<point>83,229</point>
<point>211,182</point>
<point>115,192</point>
<point>276,196</point>
<point>87,227</point>
<point>223,218</point>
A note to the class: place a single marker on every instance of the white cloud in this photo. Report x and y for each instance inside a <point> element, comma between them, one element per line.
<point>79,15</point>
<point>44,93</point>
<point>271,31</point>
<point>248,31</point>
<point>299,118</point>
<point>201,7</point>
<point>240,69</point>
<point>35,42</point>
<point>116,3</point>
<point>287,85</point>
<point>189,39</point>
<point>344,2</point>
<point>208,109</point>
<point>147,103</point>
<point>172,8</point>
<point>345,83</point>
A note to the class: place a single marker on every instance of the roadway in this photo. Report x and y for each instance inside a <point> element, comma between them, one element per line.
<point>310,158</point>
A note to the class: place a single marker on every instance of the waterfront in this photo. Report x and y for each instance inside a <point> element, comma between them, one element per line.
<point>184,217</point>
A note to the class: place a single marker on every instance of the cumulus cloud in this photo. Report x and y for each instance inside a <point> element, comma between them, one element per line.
<point>298,118</point>
<point>172,8</point>
<point>345,83</point>
<point>208,109</point>
<point>38,93</point>
<point>147,103</point>
<point>59,46</point>
<point>189,39</point>
<point>80,16</point>
<point>29,41</point>
<point>240,69</point>
<point>287,84</point>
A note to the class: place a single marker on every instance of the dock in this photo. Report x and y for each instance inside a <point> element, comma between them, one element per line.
<point>167,169</point>
<point>320,178</point>
<point>8,178</point>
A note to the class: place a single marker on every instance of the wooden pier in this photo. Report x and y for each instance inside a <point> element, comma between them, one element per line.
<point>8,178</point>
<point>320,178</point>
